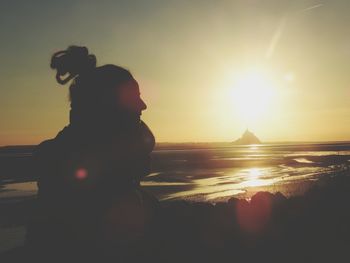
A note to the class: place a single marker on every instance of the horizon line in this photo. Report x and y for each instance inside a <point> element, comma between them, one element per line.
<point>211,142</point>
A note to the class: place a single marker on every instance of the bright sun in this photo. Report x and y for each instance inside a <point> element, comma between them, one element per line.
<point>253,95</point>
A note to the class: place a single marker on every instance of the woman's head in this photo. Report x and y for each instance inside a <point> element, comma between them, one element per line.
<point>104,95</point>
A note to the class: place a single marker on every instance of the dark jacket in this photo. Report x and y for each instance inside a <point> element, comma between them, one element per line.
<point>89,180</point>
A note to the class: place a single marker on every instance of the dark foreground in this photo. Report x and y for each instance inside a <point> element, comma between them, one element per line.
<point>268,228</point>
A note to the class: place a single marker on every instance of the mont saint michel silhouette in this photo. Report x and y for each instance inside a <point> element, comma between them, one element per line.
<point>248,137</point>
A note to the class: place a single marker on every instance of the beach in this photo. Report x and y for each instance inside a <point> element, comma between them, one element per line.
<point>186,177</point>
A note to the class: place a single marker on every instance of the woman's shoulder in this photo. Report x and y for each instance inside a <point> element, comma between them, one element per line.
<point>44,147</point>
<point>47,147</point>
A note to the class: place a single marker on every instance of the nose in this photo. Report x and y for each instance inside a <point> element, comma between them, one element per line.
<point>143,105</point>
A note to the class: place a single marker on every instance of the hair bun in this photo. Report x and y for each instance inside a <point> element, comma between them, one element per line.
<point>73,61</point>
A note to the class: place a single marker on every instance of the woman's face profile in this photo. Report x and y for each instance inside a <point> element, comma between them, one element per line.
<point>129,100</point>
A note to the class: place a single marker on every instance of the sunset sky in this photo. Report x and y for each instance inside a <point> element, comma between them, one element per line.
<point>207,69</point>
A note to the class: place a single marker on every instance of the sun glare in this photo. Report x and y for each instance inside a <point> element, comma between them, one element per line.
<point>253,178</point>
<point>252,95</point>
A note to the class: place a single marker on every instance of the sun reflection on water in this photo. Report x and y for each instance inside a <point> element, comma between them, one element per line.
<point>253,147</point>
<point>254,178</point>
<point>254,173</point>
<point>227,184</point>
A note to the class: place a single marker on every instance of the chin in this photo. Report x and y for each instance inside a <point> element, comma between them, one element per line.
<point>136,118</point>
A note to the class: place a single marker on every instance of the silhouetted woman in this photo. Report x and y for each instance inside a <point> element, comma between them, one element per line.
<point>89,174</point>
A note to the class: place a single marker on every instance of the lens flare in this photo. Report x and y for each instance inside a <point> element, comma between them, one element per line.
<point>81,174</point>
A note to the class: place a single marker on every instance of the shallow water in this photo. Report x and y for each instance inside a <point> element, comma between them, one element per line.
<point>222,172</point>
<point>212,173</point>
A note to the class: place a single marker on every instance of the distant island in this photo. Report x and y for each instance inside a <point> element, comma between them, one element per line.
<point>247,138</point>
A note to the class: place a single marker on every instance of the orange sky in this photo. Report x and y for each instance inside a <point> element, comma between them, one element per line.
<point>196,63</point>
